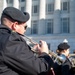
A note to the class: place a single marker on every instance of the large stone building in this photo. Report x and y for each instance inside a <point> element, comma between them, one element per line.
<point>50,20</point>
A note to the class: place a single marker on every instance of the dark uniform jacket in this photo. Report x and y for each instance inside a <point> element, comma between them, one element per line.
<point>66,68</point>
<point>16,58</point>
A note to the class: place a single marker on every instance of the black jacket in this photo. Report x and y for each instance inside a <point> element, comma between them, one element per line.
<point>16,58</point>
<point>66,68</point>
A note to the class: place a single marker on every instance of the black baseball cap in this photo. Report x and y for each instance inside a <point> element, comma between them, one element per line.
<point>63,46</point>
<point>15,14</point>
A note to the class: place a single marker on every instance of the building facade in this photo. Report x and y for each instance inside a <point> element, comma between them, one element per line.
<point>50,20</point>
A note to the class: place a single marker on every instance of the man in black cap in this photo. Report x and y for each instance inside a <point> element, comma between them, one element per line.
<point>66,65</point>
<point>16,57</point>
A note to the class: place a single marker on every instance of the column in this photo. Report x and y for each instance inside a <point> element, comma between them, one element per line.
<point>72,16</point>
<point>4,4</point>
<point>28,9</point>
<point>16,3</point>
<point>57,25</point>
<point>41,26</point>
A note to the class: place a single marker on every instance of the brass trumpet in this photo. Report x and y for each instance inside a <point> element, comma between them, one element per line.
<point>53,54</point>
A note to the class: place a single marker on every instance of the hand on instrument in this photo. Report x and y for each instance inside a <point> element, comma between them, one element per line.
<point>42,47</point>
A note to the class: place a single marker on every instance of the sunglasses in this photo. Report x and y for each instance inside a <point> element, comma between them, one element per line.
<point>25,27</point>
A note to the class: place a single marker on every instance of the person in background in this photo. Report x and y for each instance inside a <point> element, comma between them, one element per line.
<point>16,57</point>
<point>74,51</point>
<point>66,65</point>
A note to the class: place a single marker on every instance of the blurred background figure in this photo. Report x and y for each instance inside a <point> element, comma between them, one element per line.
<point>64,68</point>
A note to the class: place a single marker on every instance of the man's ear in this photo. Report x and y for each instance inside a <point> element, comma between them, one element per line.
<point>14,25</point>
<point>64,51</point>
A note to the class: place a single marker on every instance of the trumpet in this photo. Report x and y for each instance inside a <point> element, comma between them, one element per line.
<point>30,42</point>
<point>58,59</point>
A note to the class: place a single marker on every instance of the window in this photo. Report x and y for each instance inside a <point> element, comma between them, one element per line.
<point>34,27</point>
<point>65,6</point>
<point>65,25</point>
<point>50,8</point>
<point>22,9</point>
<point>34,0</point>
<point>22,0</point>
<point>49,26</point>
<point>9,1</point>
<point>35,9</point>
